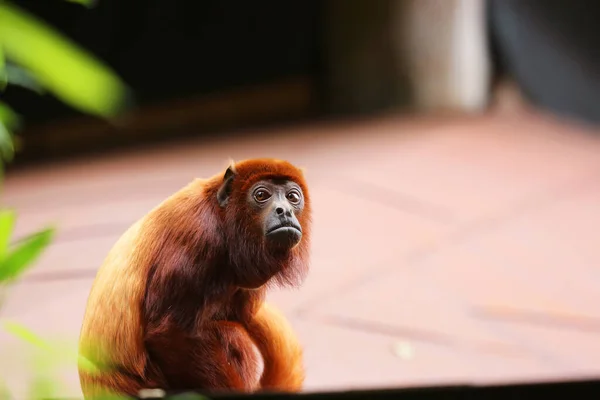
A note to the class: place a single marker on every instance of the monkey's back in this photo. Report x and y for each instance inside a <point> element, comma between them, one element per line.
<point>111,332</point>
<point>112,329</point>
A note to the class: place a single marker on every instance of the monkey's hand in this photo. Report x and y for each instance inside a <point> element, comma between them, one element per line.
<point>281,350</point>
<point>220,356</point>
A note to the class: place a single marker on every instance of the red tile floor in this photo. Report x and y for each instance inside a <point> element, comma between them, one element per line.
<point>445,249</point>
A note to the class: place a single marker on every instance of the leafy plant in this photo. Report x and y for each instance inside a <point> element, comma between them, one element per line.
<point>35,56</point>
<point>14,261</point>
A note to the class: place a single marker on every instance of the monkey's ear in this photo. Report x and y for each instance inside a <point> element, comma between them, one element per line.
<point>225,190</point>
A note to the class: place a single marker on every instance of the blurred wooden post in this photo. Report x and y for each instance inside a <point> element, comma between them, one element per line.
<point>429,55</point>
<point>442,44</point>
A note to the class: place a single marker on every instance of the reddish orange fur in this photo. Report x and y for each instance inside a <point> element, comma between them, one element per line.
<point>168,309</point>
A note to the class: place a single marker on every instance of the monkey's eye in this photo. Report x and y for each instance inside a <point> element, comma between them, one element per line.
<point>294,197</point>
<point>262,195</point>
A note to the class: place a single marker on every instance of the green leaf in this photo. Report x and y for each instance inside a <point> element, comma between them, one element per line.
<point>72,74</point>
<point>45,383</point>
<point>7,150</point>
<point>21,77</point>
<point>8,116</point>
<point>55,354</point>
<point>25,334</point>
<point>86,365</point>
<point>43,387</point>
<point>7,222</point>
<point>24,255</point>
<point>9,120</point>
<point>3,75</point>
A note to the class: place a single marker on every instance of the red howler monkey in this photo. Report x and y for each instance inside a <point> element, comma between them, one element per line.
<point>179,302</point>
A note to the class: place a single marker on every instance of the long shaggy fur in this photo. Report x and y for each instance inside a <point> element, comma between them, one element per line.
<point>168,310</point>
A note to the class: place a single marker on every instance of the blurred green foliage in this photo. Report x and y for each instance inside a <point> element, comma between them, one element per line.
<point>14,261</point>
<point>69,72</point>
<point>35,56</point>
<point>40,57</point>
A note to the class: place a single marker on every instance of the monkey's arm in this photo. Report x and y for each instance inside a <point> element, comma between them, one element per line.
<point>281,350</point>
<point>220,356</point>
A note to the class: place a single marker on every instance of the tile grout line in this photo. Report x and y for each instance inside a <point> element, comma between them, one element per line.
<point>577,323</point>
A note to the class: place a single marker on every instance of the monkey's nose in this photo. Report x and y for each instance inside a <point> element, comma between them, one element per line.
<point>283,211</point>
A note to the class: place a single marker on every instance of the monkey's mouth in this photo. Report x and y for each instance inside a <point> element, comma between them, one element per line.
<point>283,229</point>
<point>284,235</point>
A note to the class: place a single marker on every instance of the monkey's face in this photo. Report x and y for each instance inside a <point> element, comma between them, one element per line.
<point>277,205</point>
<point>266,212</point>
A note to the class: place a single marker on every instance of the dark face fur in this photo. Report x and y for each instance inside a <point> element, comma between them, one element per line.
<point>278,203</point>
<point>266,222</point>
